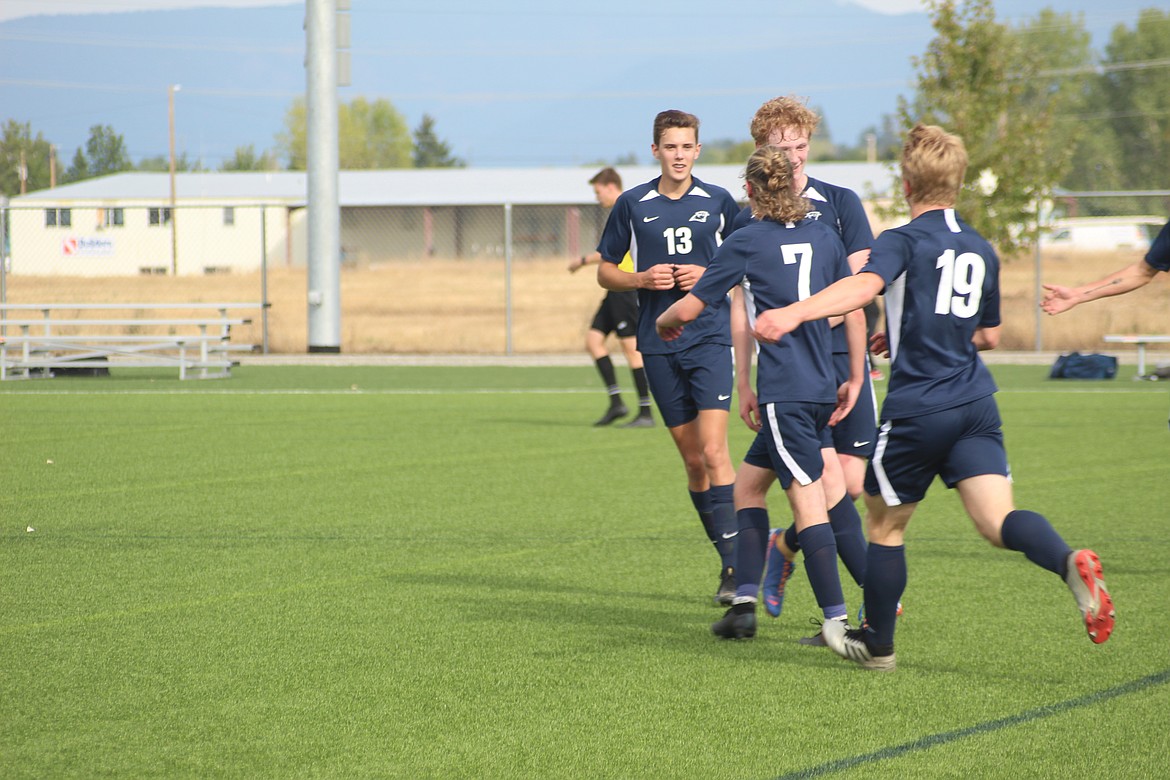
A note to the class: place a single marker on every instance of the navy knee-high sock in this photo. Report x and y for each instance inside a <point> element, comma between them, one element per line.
<point>750,549</point>
<point>1032,534</point>
<point>724,522</point>
<point>702,501</point>
<point>885,581</point>
<point>846,524</point>
<point>820,561</point>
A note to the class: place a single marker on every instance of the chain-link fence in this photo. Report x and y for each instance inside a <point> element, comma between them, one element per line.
<point>475,279</point>
<point>414,279</point>
<point>1086,236</point>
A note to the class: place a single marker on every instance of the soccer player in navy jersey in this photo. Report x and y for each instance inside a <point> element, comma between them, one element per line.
<point>939,418</point>
<point>781,258</point>
<point>788,124</point>
<point>671,227</point>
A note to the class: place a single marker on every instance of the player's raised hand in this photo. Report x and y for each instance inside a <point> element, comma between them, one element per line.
<point>1058,298</point>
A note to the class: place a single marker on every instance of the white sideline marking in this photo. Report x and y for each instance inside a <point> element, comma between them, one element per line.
<point>307,391</point>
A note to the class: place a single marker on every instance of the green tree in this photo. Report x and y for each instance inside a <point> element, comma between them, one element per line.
<point>246,159</point>
<point>370,135</point>
<point>18,144</point>
<point>726,151</point>
<point>162,163</point>
<point>429,150</point>
<point>105,153</point>
<point>1080,144</point>
<point>1136,91</point>
<point>976,80</point>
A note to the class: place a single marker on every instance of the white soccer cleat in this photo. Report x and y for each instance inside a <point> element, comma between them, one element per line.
<point>849,643</point>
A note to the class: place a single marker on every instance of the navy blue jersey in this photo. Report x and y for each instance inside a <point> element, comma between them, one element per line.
<point>1159,255</point>
<point>942,283</point>
<point>655,229</point>
<point>783,264</point>
<point>841,209</point>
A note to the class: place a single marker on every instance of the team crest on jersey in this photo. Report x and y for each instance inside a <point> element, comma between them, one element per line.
<point>814,214</point>
<point>699,216</point>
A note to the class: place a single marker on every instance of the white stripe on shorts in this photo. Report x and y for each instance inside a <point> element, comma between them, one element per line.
<point>799,474</point>
<point>879,471</point>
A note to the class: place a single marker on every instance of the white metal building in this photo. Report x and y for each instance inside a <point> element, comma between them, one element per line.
<point>222,222</point>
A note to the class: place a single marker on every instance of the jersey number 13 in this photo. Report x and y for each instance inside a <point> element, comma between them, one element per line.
<point>678,241</point>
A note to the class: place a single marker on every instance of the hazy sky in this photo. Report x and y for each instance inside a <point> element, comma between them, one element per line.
<point>13,9</point>
<point>513,82</point>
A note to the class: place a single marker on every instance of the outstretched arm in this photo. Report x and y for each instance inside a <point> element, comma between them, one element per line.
<point>1059,298</point>
<point>841,297</point>
<point>670,323</point>
<point>577,265</point>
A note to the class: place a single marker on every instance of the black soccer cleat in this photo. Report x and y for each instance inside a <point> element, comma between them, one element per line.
<point>641,421</point>
<point>736,625</point>
<point>726,592</point>
<point>616,412</point>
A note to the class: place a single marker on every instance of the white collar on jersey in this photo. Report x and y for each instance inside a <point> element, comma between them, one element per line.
<point>694,190</point>
<point>812,194</point>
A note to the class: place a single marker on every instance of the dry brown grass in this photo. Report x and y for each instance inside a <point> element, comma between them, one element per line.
<point>448,306</point>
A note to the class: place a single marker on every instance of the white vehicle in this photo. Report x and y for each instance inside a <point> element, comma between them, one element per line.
<point>1103,233</point>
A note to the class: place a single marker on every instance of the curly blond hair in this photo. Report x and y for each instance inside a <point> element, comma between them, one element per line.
<point>782,113</point>
<point>769,172</point>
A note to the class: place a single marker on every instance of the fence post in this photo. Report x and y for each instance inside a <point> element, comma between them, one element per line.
<point>3,250</point>
<point>1039,290</point>
<point>508,278</point>
<point>264,278</point>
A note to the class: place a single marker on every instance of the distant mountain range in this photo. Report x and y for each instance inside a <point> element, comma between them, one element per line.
<point>552,87</point>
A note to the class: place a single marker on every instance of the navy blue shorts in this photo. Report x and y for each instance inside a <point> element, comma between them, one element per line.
<point>857,433</point>
<point>618,313</point>
<point>683,383</point>
<point>790,441</point>
<point>954,444</point>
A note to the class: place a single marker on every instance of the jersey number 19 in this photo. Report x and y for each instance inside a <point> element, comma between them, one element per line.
<point>960,285</point>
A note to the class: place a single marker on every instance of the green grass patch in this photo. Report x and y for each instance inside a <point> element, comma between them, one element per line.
<point>447,572</point>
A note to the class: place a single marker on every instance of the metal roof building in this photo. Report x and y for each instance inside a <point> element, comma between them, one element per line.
<point>123,223</point>
<point>421,187</point>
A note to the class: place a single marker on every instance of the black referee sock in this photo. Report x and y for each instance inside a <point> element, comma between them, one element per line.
<point>605,368</point>
<point>643,388</point>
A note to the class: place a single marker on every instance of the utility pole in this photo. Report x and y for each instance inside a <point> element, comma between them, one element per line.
<point>171,90</point>
<point>52,166</point>
<point>324,228</point>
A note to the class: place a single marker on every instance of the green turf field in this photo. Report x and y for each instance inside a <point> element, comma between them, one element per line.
<point>447,572</point>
